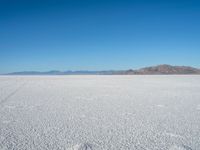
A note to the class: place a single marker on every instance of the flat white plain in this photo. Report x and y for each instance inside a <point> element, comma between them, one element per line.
<point>100,112</point>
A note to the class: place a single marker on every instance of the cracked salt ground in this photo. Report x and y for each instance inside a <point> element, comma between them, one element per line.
<point>100,112</point>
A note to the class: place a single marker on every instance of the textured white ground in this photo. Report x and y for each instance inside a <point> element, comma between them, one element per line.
<point>100,112</point>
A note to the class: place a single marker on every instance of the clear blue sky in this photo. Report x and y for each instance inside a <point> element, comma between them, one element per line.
<point>46,35</point>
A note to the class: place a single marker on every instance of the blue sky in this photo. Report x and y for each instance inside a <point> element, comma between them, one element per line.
<point>46,35</point>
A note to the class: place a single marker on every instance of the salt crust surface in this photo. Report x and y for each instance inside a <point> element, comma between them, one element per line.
<point>100,112</point>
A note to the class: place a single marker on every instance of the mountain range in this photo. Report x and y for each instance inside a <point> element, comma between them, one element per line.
<point>153,70</point>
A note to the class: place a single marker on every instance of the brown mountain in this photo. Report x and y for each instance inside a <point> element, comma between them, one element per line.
<point>164,69</point>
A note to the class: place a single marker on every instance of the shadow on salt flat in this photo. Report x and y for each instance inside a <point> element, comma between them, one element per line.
<point>86,146</point>
<point>180,147</point>
<point>82,146</point>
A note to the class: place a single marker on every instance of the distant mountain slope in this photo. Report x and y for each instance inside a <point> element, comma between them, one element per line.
<point>153,70</point>
<point>164,69</point>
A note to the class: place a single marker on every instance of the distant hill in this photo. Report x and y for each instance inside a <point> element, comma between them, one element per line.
<point>153,70</point>
<point>164,69</point>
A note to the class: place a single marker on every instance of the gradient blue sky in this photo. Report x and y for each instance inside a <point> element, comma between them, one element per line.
<point>46,35</point>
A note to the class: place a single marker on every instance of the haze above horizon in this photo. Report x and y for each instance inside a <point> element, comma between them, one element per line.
<point>46,35</point>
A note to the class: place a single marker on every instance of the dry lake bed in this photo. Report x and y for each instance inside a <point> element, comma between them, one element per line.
<point>100,112</point>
